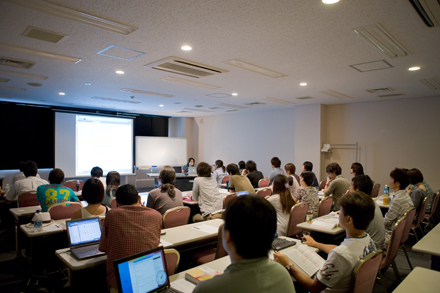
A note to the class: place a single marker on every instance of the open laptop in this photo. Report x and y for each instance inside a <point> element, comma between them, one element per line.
<point>242,193</point>
<point>84,235</point>
<point>178,169</point>
<point>144,198</point>
<point>143,272</point>
<point>192,170</point>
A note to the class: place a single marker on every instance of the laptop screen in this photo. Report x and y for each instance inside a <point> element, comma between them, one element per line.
<point>178,169</point>
<point>143,272</point>
<point>144,198</point>
<point>242,193</point>
<point>84,231</point>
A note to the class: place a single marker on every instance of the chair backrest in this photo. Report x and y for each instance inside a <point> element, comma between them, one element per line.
<point>435,202</point>
<point>297,215</point>
<point>63,210</point>
<point>172,258</point>
<point>264,192</point>
<point>174,217</point>
<point>322,185</point>
<point>394,244</point>
<point>225,179</point>
<point>28,199</point>
<point>220,251</point>
<point>422,211</point>
<point>325,206</point>
<point>228,199</point>
<point>409,220</point>
<point>263,182</point>
<point>365,272</point>
<point>72,184</point>
<point>113,203</point>
<point>375,190</point>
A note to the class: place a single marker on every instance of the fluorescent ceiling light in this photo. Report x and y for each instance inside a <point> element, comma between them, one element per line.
<point>190,82</point>
<point>12,88</point>
<point>335,94</point>
<point>186,48</point>
<point>115,100</point>
<point>278,101</point>
<point>38,53</point>
<point>75,15</point>
<point>232,106</point>
<point>146,93</point>
<point>415,68</point>
<point>36,76</point>
<point>254,68</point>
<point>381,39</point>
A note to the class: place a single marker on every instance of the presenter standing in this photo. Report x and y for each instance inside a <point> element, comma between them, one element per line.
<point>191,163</point>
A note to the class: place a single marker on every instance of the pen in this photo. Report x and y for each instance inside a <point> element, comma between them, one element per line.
<point>274,249</point>
<point>196,228</point>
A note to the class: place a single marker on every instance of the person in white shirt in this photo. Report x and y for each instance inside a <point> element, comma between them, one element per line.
<point>20,175</point>
<point>31,182</point>
<point>357,211</point>
<point>219,173</point>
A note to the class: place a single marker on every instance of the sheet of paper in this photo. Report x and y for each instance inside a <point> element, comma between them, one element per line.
<point>52,227</point>
<point>183,286</point>
<point>20,211</point>
<point>164,243</point>
<point>206,228</point>
<point>323,225</point>
<point>224,191</point>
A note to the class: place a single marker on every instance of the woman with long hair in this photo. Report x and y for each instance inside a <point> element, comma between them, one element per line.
<point>93,193</point>
<point>220,172</point>
<point>307,194</point>
<point>113,181</point>
<point>166,196</point>
<point>282,201</point>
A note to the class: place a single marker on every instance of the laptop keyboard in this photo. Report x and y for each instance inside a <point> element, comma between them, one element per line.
<point>279,243</point>
<point>86,250</point>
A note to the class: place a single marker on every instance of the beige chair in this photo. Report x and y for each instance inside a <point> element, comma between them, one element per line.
<point>420,218</point>
<point>63,210</point>
<point>113,203</point>
<point>322,185</point>
<point>225,179</point>
<point>27,199</point>
<point>409,214</point>
<point>174,217</point>
<point>375,191</point>
<point>172,258</point>
<point>228,198</point>
<point>428,217</point>
<point>365,272</point>
<point>263,182</point>
<point>297,215</point>
<point>211,254</point>
<point>264,192</point>
<point>72,184</point>
<point>325,206</point>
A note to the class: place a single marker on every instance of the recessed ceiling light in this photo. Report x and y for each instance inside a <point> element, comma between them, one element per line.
<point>329,1</point>
<point>186,48</point>
<point>415,68</point>
<point>87,84</point>
<point>62,94</point>
<point>160,105</point>
<point>234,94</point>
<point>120,72</point>
<point>303,84</point>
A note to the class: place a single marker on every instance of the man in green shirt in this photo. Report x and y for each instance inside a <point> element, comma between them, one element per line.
<point>250,225</point>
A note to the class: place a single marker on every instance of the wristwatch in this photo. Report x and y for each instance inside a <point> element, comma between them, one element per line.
<point>289,266</point>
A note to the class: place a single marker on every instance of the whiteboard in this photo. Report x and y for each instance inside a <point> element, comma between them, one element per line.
<point>159,151</point>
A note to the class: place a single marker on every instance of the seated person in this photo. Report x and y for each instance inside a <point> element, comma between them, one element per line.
<point>429,193</point>
<point>376,229</point>
<point>336,185</point>
<point>166,196</point>
<point>357,211</point>
<point>292,177</point>
<point>97,173</point>
<point>401,202</point>
<point>356,169</point>
<point>308,194</point>
<point>282,201</point>
<point>113,181</point>
<point>276,164</point>
<point>30,183</point>
<point>241,167</point>
<point>252,174</point>
<point>308,166</point>
<point>93,193</point>
<point>54,193</point>
<point>250,225</point>
<point>19,175</point>
<point>219,172</point>
<point>417,192</point>
<point>129,229</point>
<point>191,163</point>
<point>238,182</point>
<point>206,192</point>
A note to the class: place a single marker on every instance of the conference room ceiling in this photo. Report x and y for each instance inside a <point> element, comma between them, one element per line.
<point>298,41</point>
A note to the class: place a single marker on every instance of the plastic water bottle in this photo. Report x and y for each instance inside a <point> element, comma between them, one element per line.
<point>38,222</point>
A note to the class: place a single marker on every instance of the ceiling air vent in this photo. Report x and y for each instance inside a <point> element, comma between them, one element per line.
<point>115,100</point>
<point>16,63</point>
<point>429,11</point>
<point>255,103</point>
<point>390,96</point>
<point>184,67</point>
<point>432,83</point>
<point>305,98</point>
<point>43,35</point>
<point>380,90</point>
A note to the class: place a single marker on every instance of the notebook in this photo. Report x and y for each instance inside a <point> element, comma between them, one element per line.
<point>84,235</point>
<point>143,272</point>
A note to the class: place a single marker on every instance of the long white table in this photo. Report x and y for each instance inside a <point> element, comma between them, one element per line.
<point>57,226</point>
<point>429,243</point>
<point>188,194</point>
<point>174,237</point>
<point>420,280</point>
<point>24,212</point>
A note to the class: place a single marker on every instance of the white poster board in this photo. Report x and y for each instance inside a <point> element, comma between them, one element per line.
<point>159,151</point>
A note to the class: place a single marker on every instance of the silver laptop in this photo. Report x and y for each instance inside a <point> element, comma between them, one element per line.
<point>84,235</point>
<point>192,170</point>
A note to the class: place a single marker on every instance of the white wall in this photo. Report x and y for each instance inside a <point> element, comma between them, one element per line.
<point>257,136</point>
<point>395,133</point>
